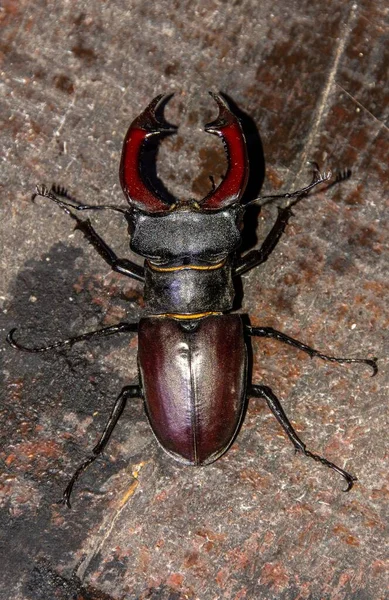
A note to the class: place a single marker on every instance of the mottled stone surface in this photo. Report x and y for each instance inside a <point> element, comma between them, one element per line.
<point>261,522</point>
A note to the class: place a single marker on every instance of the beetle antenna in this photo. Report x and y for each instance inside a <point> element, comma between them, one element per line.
<point>60,190</point>
<point>57,193</point>
<point>317,179</point>
<point>340,176</point>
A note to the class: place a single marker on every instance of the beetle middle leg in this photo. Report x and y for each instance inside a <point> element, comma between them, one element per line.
<point>106,331</point>
<point>129,391</point>
<point>262,391</point>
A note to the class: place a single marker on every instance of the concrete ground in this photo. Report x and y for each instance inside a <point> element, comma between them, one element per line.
<point>308,80</point>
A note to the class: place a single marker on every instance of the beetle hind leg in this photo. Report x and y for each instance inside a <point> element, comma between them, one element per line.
<point>262,391</point>
<point>129,391</point>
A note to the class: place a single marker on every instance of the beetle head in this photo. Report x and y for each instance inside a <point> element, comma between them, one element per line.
<point>162,231</point>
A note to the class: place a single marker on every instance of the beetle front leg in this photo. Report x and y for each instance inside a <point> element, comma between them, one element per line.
<point>269,332</point>
<point>120,265</point>
<point>257,257</point>
<point>129,391</point>
<point>262,391</point>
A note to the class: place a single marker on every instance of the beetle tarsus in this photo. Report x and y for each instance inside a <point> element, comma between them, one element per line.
<point>340,176</point>
<point>60,195</point>
<point>69,488</point>
<point>262,391</point>
<point>60,190</point>
<point>129,391</point>
<point>351,479</point>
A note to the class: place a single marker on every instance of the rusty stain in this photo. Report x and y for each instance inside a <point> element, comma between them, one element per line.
<point>380,566</point>
<point>16,388</point>
<point>114,314</point>
<point>274,178</point>
<point>345,535</point>
<point>365,237</point>
<point>255,478</point>
<point>64,83</point>
<point>39,449</point>
<point>191,559</point>
<point>210,535</point>
<point>171,69</point>
<point>275,576</point>
<point>382,492</point>
<point>370,517</point>
<point>162,496</point>
<point>192,118</point>
<point>10,459</point>
<point>208,546</point>
<point>83,53</point>
<point>175,580</point>
<point>107,292</point>
<point>212,163</point>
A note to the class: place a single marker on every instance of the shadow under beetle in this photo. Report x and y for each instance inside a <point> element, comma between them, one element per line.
<point>192,355</point>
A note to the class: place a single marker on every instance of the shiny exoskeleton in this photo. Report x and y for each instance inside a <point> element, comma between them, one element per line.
<point>192,352</point>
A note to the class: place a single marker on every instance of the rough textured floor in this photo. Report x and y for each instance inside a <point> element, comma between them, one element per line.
<point>308,80</point>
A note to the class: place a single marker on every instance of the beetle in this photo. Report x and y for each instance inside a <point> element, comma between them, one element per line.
<point>192,350</point>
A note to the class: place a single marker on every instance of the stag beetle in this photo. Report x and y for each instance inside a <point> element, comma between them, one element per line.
<point>192,351</point>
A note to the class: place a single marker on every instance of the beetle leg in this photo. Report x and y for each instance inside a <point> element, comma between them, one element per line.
<point>129,391</point>
<point>120,265</point>
<point>262,391</point>
<point>257,257</point>
<point>119,328</point>
<point>269,332</point>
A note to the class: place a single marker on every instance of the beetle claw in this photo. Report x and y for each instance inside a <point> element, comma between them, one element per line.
<point>224,118</point>
<point>228,127</point>
<point>151,121</point>
<point>351,479</point>
<point>148,124</point>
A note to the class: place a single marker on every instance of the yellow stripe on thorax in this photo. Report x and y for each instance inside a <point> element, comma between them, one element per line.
<point>182,267</point>
<point>188,316</point>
